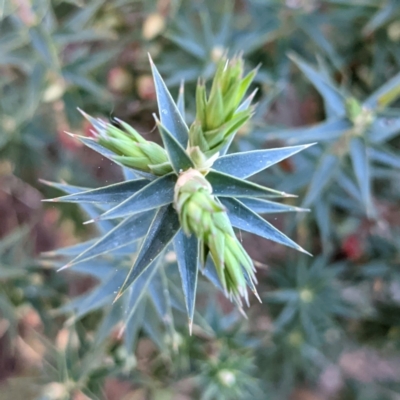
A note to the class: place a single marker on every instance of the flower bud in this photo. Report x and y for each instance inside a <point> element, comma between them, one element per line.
<point>201,214</point>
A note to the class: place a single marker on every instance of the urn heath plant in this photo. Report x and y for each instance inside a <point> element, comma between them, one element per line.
<point>189,194</point>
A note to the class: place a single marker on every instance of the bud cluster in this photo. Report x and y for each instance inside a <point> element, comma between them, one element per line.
<point>361,117</point>
<point>201,214</point>
<point>132,150</point>
<point>218,117</point>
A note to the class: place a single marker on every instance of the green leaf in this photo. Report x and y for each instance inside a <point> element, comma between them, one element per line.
<point>210,272</point>
<point>230,186</point>
<point>162,230</point>
<point>127,231</point>
<point>359,158</point>
<point>178,157</point>
<point>94,145</point>
<point>242,217</point>
<point>187,253</point>
<point>115,193</point>
<point>169,114</point>
<point>334,100</point>
<point>156,194</point>
<point>243,165</point>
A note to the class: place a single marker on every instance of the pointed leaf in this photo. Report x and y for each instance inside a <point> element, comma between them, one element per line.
<point>384,128</point>
<point>92,144</point>
<point>115,193</point>
<point>169,114</point>
<point>157,295</point>
<point>187,254</point>
<point>323,175</point>
<point>243,165</point>
<point>261,206</point>
<point>385,95</point>
<point>359,158</point>
<point>100,296</point>
<point>334,100</point>
<point>137,290</point>
<point>181,100</point>
<point>162,230</point>
<point>243,218</point>
<point>154,195</point>
<point>127,231</point>
<point>70,251</point>
<point>211,274</point>
<point>322,132</point>
<point>178,157</point>
<point>230,186</point>
<point>385,157</point>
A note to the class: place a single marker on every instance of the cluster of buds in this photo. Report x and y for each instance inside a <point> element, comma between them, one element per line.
<point>131,149</point>
<point>361,117</point>
<point>219,116</point>
<point>202,215</point>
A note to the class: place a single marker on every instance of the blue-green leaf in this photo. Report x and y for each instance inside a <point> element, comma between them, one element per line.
<point>384,128</point>
<point>162,230</point>
<point>385,95</point>
<point>385,157</point>
<point>178,157</point>
<point>98,297</point>
<point>359,158</point>
<point>243,165</point>
<point>137,290</point>
<point>101,272</point>
<point>181,101</point>
<point>323,175</point>
<point>169,114</point>
<point>156,194</point>
<point>334,100</point>
<point>322,132</point>
<point>262,206</point>
<point>243,218</point>
<point>70,251</point>
<point>115,193</point>
<point>230,186</point>
<point>127,231</point>
<point>210,272</point>
<point>109,322</point>
<point>187,254</point>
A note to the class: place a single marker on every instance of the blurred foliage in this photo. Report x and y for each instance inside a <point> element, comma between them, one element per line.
<point>328,327</point>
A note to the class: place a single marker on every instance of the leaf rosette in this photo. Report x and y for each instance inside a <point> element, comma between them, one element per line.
<point>189,194</point>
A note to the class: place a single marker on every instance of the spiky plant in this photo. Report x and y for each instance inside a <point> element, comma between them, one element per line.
<point>189,193</point>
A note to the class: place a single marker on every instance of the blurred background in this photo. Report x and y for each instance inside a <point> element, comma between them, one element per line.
<point>329,326</point>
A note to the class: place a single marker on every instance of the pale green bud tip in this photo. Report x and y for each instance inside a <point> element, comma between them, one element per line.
<point>217,115</point>
<point>227,377</point>
<point>131,149</point>
<point>201,214</point>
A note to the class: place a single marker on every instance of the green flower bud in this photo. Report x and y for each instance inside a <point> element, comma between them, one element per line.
<point>361,117</point>
<point>132,150</point>
<point>217,117</point>
<point>201,214</point>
